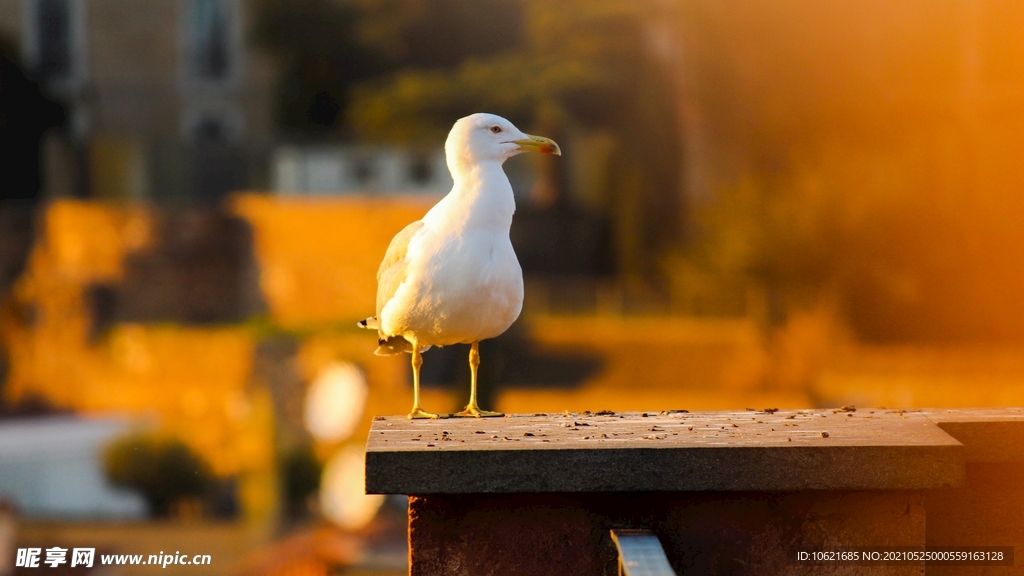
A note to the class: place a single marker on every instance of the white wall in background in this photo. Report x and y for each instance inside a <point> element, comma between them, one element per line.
<point>53,467</point>
<point>323,170</point>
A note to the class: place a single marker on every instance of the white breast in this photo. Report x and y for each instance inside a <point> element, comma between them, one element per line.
<point>470,288</point>
<point>464,282</point>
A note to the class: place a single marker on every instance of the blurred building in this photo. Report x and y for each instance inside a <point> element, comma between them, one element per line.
<point>166,101</point>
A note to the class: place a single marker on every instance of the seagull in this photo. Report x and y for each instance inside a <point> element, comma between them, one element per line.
<point>453,277</point>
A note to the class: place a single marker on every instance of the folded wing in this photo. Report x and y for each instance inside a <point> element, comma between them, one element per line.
<point>390,275</point>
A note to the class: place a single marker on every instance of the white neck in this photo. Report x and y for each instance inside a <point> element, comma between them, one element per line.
<point>481,198</point>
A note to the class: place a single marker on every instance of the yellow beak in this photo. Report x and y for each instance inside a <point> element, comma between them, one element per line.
<point>539,144</point>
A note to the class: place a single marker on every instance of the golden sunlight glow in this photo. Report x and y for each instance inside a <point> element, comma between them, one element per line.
<point>335,401</point>
<point>343,497</point>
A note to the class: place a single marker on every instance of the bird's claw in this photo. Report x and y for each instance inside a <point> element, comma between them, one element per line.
<point>419,413</point>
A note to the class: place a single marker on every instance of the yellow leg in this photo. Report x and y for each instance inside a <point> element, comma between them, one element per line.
<point>417,410</point>
<point>472,409</point>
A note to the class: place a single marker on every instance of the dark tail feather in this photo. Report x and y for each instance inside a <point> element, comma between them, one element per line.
<point>392,345</point>
<point>395,345</point>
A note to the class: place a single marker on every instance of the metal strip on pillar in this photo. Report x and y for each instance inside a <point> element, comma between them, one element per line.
<point>641,554</point>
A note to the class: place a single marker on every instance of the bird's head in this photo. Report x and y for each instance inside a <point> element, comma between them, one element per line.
<point>486,137</point>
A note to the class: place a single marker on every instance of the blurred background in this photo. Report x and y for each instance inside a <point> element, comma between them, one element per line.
<point>784,203</point>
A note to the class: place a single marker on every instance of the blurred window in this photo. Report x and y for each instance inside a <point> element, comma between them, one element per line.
<point>213,125</point>
<point>420,170</point>
<point>53,25</point>
<point>210,130</point>
<point>210,23</point>
<point>363,171</point>
<point>54,41</point>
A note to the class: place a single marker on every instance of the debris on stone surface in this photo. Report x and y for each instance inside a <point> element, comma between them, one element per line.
<point>724,427</point>
<point>605,413</point>
<point>770,410</point>
<point>850,408</point>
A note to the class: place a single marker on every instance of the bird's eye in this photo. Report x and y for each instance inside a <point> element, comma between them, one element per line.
<point>496,129</point>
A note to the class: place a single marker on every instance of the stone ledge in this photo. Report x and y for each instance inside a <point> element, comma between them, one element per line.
<point>678,451</point>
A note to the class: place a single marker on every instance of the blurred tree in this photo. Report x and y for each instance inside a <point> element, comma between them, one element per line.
<point>405,70</point>
<point>857,156</point>
<point>574,60</point>
<point>583,66</point>
<point>300,478</point>
<point>327,46</point>
<point>439,33</point>
<point>320,56</point>
<point>851,229</point>
<point>164,470</point>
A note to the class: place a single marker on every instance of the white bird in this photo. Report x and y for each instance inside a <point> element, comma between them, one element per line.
<point>453,277</point>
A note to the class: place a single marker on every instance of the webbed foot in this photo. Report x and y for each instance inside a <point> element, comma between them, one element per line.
<point>475,412</point>
<point>418,413</point>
